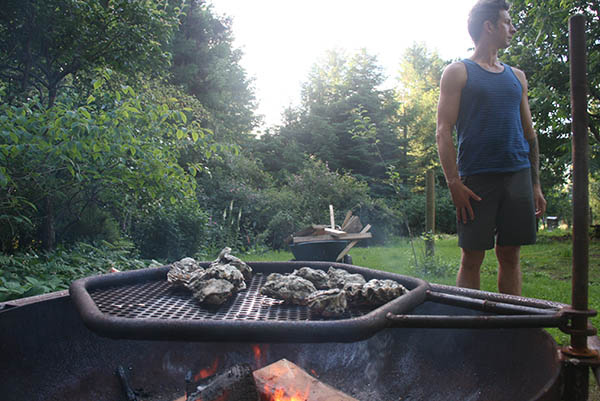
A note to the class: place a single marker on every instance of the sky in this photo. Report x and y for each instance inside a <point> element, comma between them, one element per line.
<point>282,39</point>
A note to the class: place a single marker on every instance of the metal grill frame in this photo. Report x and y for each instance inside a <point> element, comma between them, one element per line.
<point>210,327</point>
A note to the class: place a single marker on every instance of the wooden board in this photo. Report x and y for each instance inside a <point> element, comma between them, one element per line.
<point>348,236</point>
<point>288,381</point>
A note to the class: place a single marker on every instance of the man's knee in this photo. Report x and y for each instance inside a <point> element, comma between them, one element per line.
<point>508,255</point>
<point>472,259</point>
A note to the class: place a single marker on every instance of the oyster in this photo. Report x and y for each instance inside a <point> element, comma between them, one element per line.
<point>354,294</point>
<point>340,278</point>
<point>328,303</point>
<point>226,258</point>
<point>225,272</point>
<point>288,287</point>
<point>317,277</point>
<point>378,292</point>
<point>212,291</point>
<point>184,271</point>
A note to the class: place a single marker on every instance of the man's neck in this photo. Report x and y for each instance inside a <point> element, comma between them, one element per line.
<point>487,57</point>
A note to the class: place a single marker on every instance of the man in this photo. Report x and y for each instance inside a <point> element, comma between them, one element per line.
<point>494,184</point>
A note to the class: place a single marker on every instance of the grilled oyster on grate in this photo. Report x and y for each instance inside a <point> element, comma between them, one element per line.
<point>290,288</point>
<point>183,271</point>
<point>225,272</point>
<point>226,258</point>
<point>317,277</point>
<point>378,292</point>
<point>328,303</point>
<point>212,291</point>
<point>340,278</point>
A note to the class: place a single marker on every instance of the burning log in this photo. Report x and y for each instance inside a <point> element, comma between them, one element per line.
<point>285,381</point>
<point>235,384</point>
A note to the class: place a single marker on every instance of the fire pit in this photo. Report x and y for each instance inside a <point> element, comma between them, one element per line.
<point>50,354</point>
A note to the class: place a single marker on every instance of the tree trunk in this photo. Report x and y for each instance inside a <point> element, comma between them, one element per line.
<point>430,214</point>
<point>48,229</point>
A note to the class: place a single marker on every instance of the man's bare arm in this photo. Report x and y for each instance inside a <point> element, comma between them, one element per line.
<point>453,80</point>
<point>534,149</point>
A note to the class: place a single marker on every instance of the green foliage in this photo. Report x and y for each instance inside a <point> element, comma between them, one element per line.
<point>117,152</point>
<point>345,119</point>
<point>170,231</point>
<point>540,49</point>
<point>207,66</point>
<point>42,43</point>
<point>418,93</point>
<point>28,274</point>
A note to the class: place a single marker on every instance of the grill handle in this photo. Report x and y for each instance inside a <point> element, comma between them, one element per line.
<point>513,315</point>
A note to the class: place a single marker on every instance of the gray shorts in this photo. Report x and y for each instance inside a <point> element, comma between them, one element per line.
<point>505,214</point>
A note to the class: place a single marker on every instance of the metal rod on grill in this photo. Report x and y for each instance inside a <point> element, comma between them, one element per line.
<point>475,322</point>
<point>487,305</point>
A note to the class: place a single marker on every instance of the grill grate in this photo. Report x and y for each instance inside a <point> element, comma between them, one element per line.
<point>161,300</point>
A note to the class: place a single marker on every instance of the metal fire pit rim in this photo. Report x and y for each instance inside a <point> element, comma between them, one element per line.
<point>340,330</point>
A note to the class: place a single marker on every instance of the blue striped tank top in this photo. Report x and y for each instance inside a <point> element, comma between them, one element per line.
<point>489,130</point>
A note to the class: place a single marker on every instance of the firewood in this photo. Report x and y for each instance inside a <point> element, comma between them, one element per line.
<point>331,217</point>
<point>286,380</point>
<point>351,244</point>
<point>353,225</point>
<point>348,236</point>
<point>333,232</point>
<point>346,219</point>
<point>124,380</point>
<point>235,384</point>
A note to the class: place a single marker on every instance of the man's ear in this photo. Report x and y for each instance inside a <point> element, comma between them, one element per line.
<point>488,26</point>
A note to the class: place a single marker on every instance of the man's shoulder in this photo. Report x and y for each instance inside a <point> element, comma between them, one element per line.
<point>455,73</point>
<point>520,75</point>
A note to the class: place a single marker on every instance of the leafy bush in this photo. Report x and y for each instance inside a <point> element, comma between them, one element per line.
<point>31,273</point>
<point>413,210</point>
<point>170,231</point>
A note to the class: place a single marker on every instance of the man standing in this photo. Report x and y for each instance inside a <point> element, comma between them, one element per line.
<point>494,182</point>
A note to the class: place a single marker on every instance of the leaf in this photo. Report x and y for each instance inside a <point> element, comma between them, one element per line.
<point>97,83</point>
<point>90,99</point>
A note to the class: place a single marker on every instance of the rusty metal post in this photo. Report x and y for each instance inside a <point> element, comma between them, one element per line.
<point>577,375</point>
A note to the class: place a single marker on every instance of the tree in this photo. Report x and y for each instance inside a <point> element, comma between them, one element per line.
<point>418,93</point>
<point>345,119</point>
<point>207,66</point>
<point>540,49</point>
<point>44,44</point>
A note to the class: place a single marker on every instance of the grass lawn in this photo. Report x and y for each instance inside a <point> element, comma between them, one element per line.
<point>546,266</point>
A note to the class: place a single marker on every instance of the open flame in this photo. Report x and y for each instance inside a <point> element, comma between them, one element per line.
<point>204,373</point>
<point>283,395</point>
<point>287,393</point>
<point>260,357</point>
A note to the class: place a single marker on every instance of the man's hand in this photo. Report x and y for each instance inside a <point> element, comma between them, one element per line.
<point>461,196</point>
<point>539,201</point>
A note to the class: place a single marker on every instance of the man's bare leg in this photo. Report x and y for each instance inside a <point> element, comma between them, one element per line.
<point>470,265</point>
<point>509,269</point>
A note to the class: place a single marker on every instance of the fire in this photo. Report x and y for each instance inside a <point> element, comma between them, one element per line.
<point>204,373</point>
<point>285,394</point>
<point>259,355</point>
<point>280,395</point>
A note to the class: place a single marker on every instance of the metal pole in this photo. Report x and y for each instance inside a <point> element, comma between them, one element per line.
<point>577,56</point>
<point>577,377</point>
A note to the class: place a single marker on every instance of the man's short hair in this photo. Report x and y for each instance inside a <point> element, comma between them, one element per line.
<point>484,10</point>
